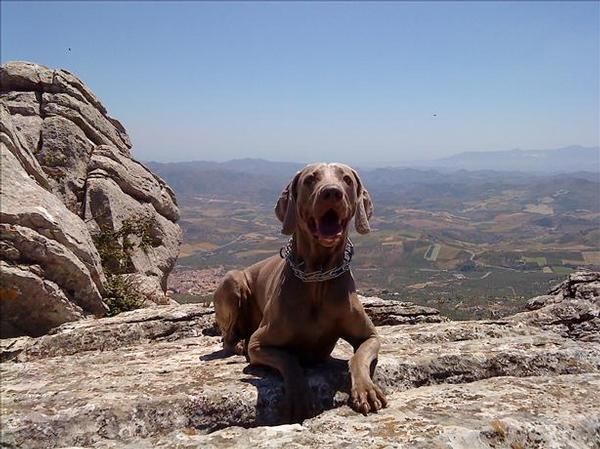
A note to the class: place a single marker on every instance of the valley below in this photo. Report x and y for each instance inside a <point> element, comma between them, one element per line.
<point>472,244</point>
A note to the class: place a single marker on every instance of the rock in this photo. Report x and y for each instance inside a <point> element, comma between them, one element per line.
<point>158,378</point>
<point>24,108</point>
<point>127,329</point>
<point>92,122</point>
<point>25,203</point>
<point>64,94</point>
<point>16,143</point>
<point>50,306</point>
<point>65,155</point>
<point>389,311</point>
<point>51,269</point>
<point>484,414</point>
<point>108,208</point>
<point>150,289</point>
<point>134,180</point>
<point>59,264</point>
<point>572,308</point>
<point>120,189</point>
<point>67,177</point>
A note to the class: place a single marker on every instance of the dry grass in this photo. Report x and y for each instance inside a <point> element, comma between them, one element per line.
<point>591,257</point>
<point>448,252</point>
<point>542,209</point>
<point>255,252</point>
<point>499,428</point>
<point>187,249</point>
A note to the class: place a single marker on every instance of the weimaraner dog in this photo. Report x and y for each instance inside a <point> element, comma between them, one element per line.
<point>292,308</point>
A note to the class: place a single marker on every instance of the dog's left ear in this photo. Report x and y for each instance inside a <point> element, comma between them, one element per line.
<point>364,207</point>
<point>285,209</point>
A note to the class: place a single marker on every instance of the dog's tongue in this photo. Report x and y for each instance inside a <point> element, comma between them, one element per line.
<point>329,224</point>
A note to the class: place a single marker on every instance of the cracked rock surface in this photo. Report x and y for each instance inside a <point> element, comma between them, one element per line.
<point>158,378</point>
<point>67,173</point>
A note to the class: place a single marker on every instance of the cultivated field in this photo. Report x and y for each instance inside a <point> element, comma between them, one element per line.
<point>478,255</point>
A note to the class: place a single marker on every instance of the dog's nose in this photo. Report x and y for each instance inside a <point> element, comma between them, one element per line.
<point>331,193</point>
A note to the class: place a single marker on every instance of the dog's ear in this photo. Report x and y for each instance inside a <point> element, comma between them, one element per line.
<point>285,209</point>
<point>364,207</point>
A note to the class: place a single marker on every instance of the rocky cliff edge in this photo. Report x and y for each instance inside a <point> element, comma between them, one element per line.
<point>157,378</point>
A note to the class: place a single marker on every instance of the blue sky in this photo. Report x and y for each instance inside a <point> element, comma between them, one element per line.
<point>350,81</point>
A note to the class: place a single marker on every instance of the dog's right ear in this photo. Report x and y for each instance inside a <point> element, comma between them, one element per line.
<point>285,209</point>
<point>364,207</point>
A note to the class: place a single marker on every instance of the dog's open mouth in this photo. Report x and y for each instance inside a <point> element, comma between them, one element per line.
<point>329,227</point>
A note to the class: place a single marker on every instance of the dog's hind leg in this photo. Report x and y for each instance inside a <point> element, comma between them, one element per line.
<point>233,312</point>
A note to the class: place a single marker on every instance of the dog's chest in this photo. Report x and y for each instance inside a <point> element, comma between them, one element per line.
<point>311,315</point>
<point>314,324</point>
<point>314,340</point>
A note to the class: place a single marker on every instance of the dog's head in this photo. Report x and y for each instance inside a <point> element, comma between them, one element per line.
<point>321,199</point>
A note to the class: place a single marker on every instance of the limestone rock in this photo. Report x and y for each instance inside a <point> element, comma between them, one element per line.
<point>67,175</point>
<point>59,264</point>
<point>65,154</point>
<point>108,207</point>
<point>158,378</point>
<point>51,269</point>
<point>571,308</point>
<point>64,94</point>
<point>120,189</point>
<point>135,180</point>
<point>21,315</point>
<point>16,143</point>
<point>384,311</point>
<point>24,108</point>
<point>486,414</point>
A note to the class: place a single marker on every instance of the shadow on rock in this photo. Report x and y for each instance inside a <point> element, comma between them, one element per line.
<point>328,383</point>
<point>215,355</point>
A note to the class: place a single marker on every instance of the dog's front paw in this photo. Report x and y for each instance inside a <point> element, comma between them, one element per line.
<point>367,397</point>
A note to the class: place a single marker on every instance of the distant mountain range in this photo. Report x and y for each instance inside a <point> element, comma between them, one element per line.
<point>560,160</point>
<point>543,162</point>
<point>574,168</point>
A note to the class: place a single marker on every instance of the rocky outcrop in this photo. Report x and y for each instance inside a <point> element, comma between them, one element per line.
<point>388,312</point>
<point>572,308</point>
<point>51,271</point>
<point>67,178</point>
<point>158,378</point>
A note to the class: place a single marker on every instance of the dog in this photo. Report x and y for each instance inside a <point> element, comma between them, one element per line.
<point>291,309</point>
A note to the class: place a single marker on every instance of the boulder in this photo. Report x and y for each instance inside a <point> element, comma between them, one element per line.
<point>571,308</point>
<point>51,270</point>
<point>390,311</point>
<point>61,93</point>
<point>17,143</point>
<point>158,378</point>
<point>67,178</point>
<point>120,189</point>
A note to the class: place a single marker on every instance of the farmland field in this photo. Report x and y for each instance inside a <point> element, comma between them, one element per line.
<point>471,251</point>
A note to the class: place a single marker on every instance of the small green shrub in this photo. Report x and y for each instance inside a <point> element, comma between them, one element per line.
<point>115,248</point>
<point>189,298</point>
<point>122,295</point>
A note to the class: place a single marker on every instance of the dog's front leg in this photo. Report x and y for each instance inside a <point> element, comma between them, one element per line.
<point>365,396</point>
<point>297,404</point>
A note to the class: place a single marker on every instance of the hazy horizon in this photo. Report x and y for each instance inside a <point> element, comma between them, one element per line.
<point>360,82</point>
<point>414,163</point>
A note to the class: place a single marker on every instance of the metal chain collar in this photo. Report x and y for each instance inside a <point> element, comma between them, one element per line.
<point>287,253</point>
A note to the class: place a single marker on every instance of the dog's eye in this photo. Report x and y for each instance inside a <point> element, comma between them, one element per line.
<point>309,180</point>
<point>348,180</point>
